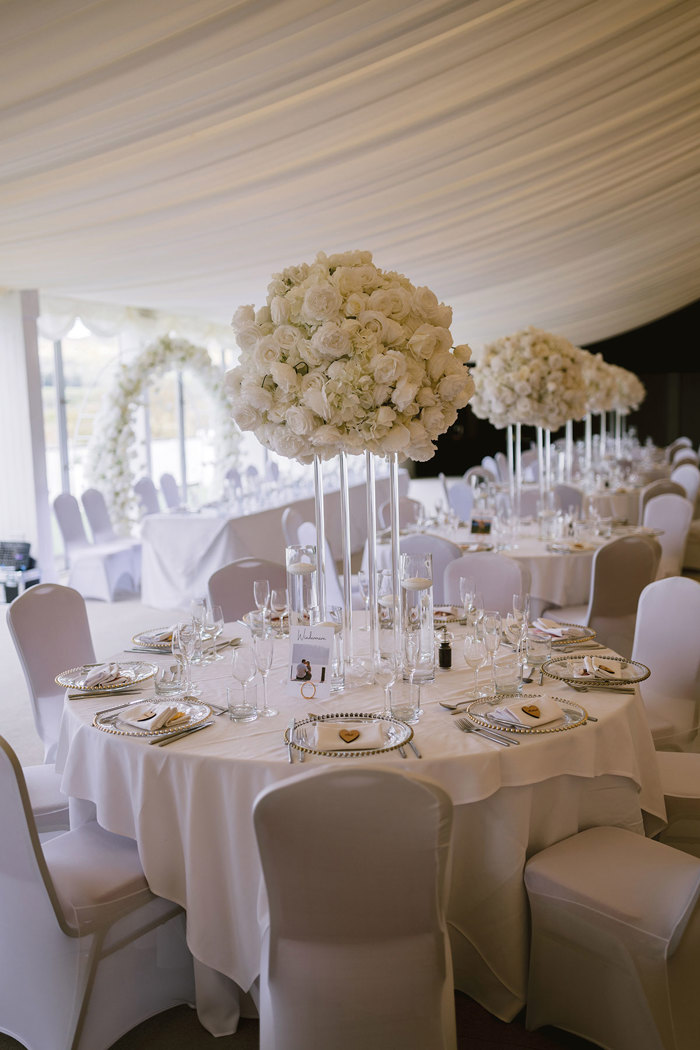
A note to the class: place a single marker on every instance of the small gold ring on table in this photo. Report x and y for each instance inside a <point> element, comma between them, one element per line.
<point>308,685</point>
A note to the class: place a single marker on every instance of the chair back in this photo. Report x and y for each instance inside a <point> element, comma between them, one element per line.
<point>529,502</point>
<point>170,490</point>
<point>496,576</point>
<point>234,476</point>
<point>687,476</point>
<point>568,497</point>
<point>460,497</point>
<point>70,522</point>
<point>334,589</point>
<point>673,515</point>
<point>529,463</point>
<point>621,570</point>
<point>231,587</point>
<point>489,463</point>
<point>684,455</point>
<point>667,640</point>
<point>657,488</point>
<point>680,442</point>
<point>49,627</point>
<point>147,495</point>
<point>443,552</point>
<point>98,517</point>
<point>291,520</point>
<point>327,840</point>
<point>410,511</point>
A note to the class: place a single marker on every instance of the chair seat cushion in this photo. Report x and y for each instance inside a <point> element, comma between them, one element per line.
<point>44,787</point>
<point>632,880</point>
<point>567,614</point>
<point>97,876</point>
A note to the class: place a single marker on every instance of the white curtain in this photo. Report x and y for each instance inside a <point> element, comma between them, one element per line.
<point>532,161</point>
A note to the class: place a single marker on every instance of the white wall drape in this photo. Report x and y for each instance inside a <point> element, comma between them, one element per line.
<point>532,161</point>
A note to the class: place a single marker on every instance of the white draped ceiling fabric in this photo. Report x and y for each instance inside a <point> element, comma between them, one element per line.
<point>532,161</point>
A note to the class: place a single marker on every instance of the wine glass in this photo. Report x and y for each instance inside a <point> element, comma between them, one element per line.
<point>184,645</point>
<point>198,611</point>
<point>491,633</point>
<point>263,648</point>
<point>261,596</point>
<point>475,612</point>
<point>521,613</point>
<point>243,666</point>
<point>214,628</point>
<point>385,671</point>
<point>475,658</point>
<point>279,602</point>
<point>467,588</point>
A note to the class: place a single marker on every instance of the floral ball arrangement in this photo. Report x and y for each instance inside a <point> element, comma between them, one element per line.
<point>346,357</point>
<point>601,381</point>
<point>629,390</point>
<point>532,377</point>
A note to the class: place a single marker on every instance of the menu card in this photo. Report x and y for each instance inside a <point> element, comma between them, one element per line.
<point>309,671</point>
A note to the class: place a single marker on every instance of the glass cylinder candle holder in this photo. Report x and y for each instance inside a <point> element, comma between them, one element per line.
<point>302,583</point>
<point>417,611</point>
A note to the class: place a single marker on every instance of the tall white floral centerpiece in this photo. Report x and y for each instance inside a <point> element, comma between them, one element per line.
<point>601,386</point>
<point>629,394</point>
<point>530,378</point>
<point>346,358</point>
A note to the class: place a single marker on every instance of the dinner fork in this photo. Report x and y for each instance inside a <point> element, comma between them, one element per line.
<point>467,727</point>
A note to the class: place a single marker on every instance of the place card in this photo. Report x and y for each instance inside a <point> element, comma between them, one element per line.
<point>309,673</point>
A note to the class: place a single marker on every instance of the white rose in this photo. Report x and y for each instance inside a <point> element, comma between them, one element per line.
<point>247,418</point>
<point>321,303</point>
<point>326,436</point>
<point>265,353</point>
<point>389,367</point>
<point>404,392</point>
<point>244,316</point>
<point>300,420</point>
<point>285,337</point>
<point>355,304</point>
<point>285,443</point>
<point>331,341</point>
<point>317,400</point>
<point>451,387</point>
<point>354,258</point>
<point>284,375</point>
<point>462,353</point>
<point>279,310</point>
<point>247,336</point>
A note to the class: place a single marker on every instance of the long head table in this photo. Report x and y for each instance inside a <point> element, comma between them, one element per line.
<point>189,806</point>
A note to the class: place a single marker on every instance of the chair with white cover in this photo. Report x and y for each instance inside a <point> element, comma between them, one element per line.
<point>568,498</point>
<point>460,498</point>
<point>657,488</point>
<point>687,476</point>
<point>87,951</point>
<point>171,492</point>
<point>291,520</point>
<point>680,782</point>
<point>671,514</point>
<point>96,512</point>
<point>344,966</point>
<point>615,946</point>
<point>410,511</point>
<point>147,495</point>
<point>529,463</point>
<point>529,502</point>
<point>621,570</point>
<point>680,442</point>
<point>490,464</point>
<point>49,627</point>
<point>231,587</point>
<point>48,803</point>
<point>495,576</point>
<point>667,640</point>
<point>97,570</point>
<point>442,551</point>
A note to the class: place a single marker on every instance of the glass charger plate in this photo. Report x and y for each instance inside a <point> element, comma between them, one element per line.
<point>576,633</point>
<point>113,721</point>
<point>568,669</point>
<point>442,616</point>
<point>395,734</point>
<point>570,548</point>
<point>480,712</point>
<point>134,671</point>
<point>141,639</point>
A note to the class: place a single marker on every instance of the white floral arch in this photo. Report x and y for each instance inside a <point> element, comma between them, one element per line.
<point>112,448</point>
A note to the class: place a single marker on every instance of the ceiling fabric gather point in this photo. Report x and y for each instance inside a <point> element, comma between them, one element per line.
<point>532,161</point>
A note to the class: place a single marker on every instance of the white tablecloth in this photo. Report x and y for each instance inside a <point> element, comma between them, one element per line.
<point>181,551</point>
<point>189,807</point>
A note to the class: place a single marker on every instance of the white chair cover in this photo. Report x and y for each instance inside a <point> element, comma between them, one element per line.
<point>680,442</point>
<point>657,488</point>
<point>98,516</point>
<point>490,464</point>
<point>568,497</point>
<point>673,515</point>
<point>87,952</point>
<point>231,587</point>
<point>49,804</point>
<point>443,553</point>
<point>147,495</point>
<point>460,497</point>
<point>170,490</point>
<point>621,569</point>
<point>529,503</point>
<point>529,463</point>
<point>97,570</point>
<point>291,520</point>
<point>687,476</point>
<point>496,576</point>
<point>356,953</point>
<point>680,780</point>
<point>667,640</point>
<point>410,511</point>
<point>615,943</point>
<point>49,626</point>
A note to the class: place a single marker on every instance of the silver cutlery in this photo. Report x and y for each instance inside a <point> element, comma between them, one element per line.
<point>414,749</point>
<point>87,693</point>
<point>402,752</point>
<point>183,732</point>
<point>467,727</point>
<point>600,687</point>
<point>290,731</point>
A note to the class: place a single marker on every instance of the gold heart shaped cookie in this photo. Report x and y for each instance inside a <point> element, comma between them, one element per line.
<point>532,710</point>
<point>348,735</point>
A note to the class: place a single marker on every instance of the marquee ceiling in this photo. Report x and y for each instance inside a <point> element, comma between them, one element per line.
<point>532,161</point>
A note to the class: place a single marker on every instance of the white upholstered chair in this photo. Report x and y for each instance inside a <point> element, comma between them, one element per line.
<point>442,551</point>
<point>502,463</point>
<point>615,946</point>
<point>356,953</point>
<point>684,455</point>
<point>480,474</point>
<point>98,517</point>
<point>680,442</point>
<point>621,569</point>
<point>672,514</point>
<point>460,499</point>
<point>657,488</point>
<point>231,587</point>
<point>410,511</point>
<point>291,520</point>
<point>87,951</point>
<point>687,476</point>
<point>667,640</point>
<point>496,576</point>
<point>490,464</point>
<point>49,627</point>
<point>680,782</point>
<point>147,495</point>
<point>568,497</point>
<point>97,570</point>
<point>171,491</point>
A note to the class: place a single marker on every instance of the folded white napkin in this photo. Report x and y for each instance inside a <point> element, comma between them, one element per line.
<point>160,634</point>
<point>599,667</point>
<point>162,715</point>
<point>104,674</point>
<point>551,627</point>
<point>328,738</point>
<point>542,711</point>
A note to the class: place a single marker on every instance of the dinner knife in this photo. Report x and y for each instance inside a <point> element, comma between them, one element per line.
<point>290,734</point>
<point>414,749</point>
<point>183,732</point>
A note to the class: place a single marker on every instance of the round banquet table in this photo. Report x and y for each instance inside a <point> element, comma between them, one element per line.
<point>189,807</point>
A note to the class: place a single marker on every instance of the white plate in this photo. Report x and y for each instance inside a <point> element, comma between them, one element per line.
<point>395,734</point>
<point>568,669</point>
<point>141,640</point>
<point>480,712</point>
<point>134,671</point>
<point>113,721</point>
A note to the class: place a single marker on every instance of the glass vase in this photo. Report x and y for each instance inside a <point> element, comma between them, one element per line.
<point>417,612</point>
<point>302,584</point>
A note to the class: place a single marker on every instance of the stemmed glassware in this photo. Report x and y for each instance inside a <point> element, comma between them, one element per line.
<point>279,602</point>
<point>385,672</point>
<point>475,658</point>
<point>467,587</point>
<point>263,648</point>
<point>198,610</point>
<point>261,596</point>
<point>491,634</point>
<point>475,611</point>
<point>214,626</point>
<point>184,646</point>
<point>521,616</point>
<point>243,666</point>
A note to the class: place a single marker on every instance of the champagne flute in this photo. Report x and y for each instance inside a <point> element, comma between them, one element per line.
<point>215,627</point>
<point>491,633</point>
<point>475,658</point>
<point>521,612</point>
<point>243,666</point>
<point>385,671</point>
<point>467,588</point>
<point>261,596</point>
<point>198,610</point>
<point>475,612</point>
<point>263,648</point>
<point>184,643</point>
<point>279,602</point>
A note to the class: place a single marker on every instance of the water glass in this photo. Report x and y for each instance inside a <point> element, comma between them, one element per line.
<point>474,658</point>
<point>169,680</point>
<point>214,627</point>
<point>417,610</point>
<point>302,582</point>
<point>404,700</point>
<point>186,637</point>
<point>243,666</point>
<point>506,667</point>
<point>241,703</point>
<point>538,648</point>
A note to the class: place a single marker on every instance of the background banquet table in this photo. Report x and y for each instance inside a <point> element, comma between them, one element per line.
<point>189,807</point>
<point>180,551</point>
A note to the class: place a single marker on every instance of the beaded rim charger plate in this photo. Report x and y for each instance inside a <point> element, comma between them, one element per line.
<point>132,672</point>
<point>113,721</point>
<point>575,634</point>
<point>480,712</point>
<point>567,669</point>
<point>396,734</point>
<point>142,639</point>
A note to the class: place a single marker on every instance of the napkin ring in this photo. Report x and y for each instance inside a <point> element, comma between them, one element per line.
<point>308,685</point>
